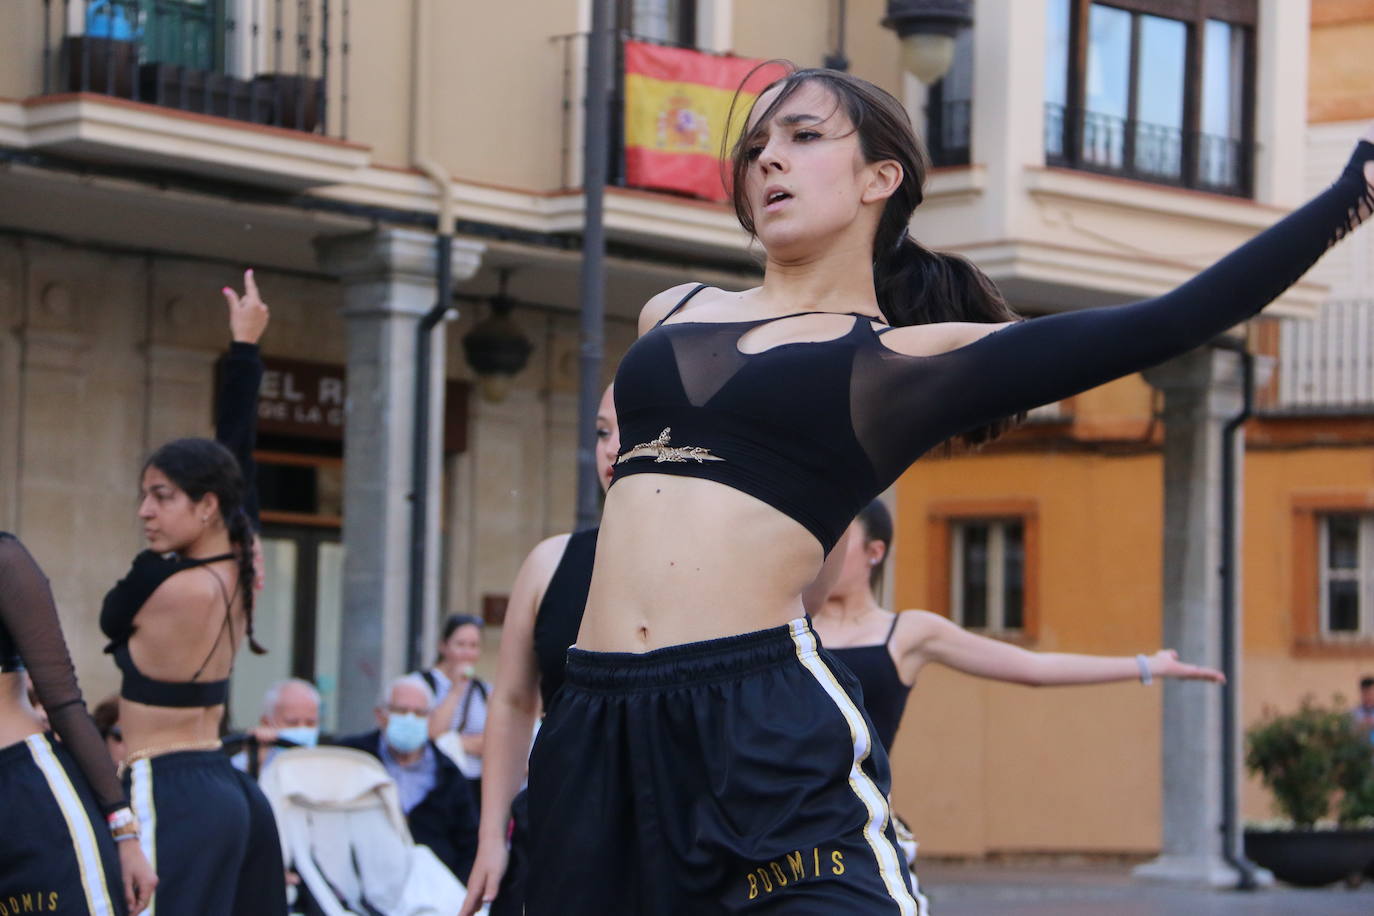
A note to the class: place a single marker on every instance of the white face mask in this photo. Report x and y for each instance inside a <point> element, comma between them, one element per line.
<point>300,735</point>
<point>406,732</point>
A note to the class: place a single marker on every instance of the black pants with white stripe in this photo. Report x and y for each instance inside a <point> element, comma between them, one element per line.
<point>210,835</point>
<point>737,775</point>
<point>56,853</point>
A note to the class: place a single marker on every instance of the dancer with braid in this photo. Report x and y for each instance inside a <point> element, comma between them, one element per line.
<point>175,623</point>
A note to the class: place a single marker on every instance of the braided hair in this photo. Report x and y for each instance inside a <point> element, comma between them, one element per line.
<point>201,466</point>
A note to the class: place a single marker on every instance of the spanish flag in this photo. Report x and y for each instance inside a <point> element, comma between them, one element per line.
<point>677,102</point>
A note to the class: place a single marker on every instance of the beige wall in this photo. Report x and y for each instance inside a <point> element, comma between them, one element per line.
<point>105,355</point>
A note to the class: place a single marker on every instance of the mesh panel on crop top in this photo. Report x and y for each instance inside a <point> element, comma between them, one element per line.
<point>818,428</point>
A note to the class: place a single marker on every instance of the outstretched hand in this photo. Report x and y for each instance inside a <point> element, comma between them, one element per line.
<point>248,314</point>
<point>1165,663</point>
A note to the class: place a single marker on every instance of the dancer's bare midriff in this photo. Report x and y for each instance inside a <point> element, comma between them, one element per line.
<point>17,718</point>
<point>682,560</point>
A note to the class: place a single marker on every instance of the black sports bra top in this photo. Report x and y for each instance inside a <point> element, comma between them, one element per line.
<point>818,428</point>
<point>560,611</point>
<point>885,694</point>
<point>123,602</point>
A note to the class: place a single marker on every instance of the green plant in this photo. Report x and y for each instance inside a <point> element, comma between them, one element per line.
<point>1306,757</point>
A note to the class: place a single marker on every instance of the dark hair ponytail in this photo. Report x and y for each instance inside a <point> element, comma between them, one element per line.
<point>914,284</point>
<point>876,521</point>
<point>201,466</point>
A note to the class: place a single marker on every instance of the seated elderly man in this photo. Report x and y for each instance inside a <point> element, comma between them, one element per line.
<point>290,711</point>
<point>434,795</point>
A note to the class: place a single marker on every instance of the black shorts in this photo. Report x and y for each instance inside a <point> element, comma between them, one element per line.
<point>737,775</point>
<point>56,852</point>
<point>210,835</point>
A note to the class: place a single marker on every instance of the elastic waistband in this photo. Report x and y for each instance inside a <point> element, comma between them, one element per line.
<point>19,750</point>
<point>175,760</point>
<point>690,663</point>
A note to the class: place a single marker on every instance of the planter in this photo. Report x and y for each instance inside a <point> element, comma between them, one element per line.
<point>1311,858</point>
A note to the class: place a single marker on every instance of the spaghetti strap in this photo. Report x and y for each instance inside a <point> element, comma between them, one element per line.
<point>892,629</point>
<point>680,303</point>
<point>227,625</point>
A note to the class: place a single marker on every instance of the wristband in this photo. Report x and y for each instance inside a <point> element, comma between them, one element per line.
<point>1143,664</point>
<point>123,824</point>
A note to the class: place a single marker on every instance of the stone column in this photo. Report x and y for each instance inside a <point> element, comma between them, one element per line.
<point>389,284</point>
<point>1202,390</point>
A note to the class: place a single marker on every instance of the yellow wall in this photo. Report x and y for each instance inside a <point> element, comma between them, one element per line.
<point>1341,69</point>
<point>982,767</point>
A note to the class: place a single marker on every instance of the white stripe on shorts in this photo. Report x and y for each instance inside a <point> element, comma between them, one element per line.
<point>141,800</point>
<point>78,826</point>
<point>890,862</point>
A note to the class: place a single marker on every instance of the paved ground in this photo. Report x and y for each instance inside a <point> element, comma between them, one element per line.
<point>1109,890</point>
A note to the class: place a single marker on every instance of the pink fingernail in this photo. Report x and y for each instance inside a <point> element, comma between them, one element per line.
<point>226,290</point>
<point>250,271</point>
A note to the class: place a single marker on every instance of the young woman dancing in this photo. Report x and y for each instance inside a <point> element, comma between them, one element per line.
<point>704,754</point>
<point>542,617</point>
<point>886,651</point>
<point>175,623</point>
<point>63,801</point>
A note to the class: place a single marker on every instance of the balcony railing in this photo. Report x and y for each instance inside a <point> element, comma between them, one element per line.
<point>947,132</point>
<point>1110,145</point>
<point>262,61</point>
<point>1326,364</point>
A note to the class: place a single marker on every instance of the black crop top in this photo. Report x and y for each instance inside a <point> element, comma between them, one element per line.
<point>31,633</point>
<point>560,611</point>
<point>816,430</point>
<point>885,694</point>
<point>235,428</point>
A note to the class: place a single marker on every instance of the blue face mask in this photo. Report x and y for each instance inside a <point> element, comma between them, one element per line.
<point>406,732</point>
<point>300,735</point>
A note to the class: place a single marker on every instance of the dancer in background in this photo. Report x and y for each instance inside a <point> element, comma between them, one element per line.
<point>73,843</point>
<point>175,623</point>
<point>886,651</point>
<point>542,617</point>
<point>705,755</point>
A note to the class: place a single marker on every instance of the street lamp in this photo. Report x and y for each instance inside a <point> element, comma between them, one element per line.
<point>496,348</point>
<point>927,29</point>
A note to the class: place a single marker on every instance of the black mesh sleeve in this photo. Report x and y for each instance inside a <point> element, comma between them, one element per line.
<point>27,611</point>
<point>236,415</point>
<point>1046,359</point>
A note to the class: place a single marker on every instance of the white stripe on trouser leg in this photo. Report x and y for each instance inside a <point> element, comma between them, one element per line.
<point>141,800</point>
<point>79,828</point>
<point>890,863</point>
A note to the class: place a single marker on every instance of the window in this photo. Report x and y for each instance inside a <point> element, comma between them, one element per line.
<point>1346,575</point>
<point>1153,90</point>
<point>988,574</point>
<point>672,22</point>
<point>949,107</point>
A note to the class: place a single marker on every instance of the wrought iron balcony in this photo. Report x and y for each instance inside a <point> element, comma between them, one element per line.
<point>262,62</point>
<point>1326,364</point>
<point>947,132</point>
<point>1110,145</point>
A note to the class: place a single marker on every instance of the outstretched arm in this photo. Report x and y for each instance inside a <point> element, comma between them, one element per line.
<point>923,637</point>
<point>1016,367</point>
